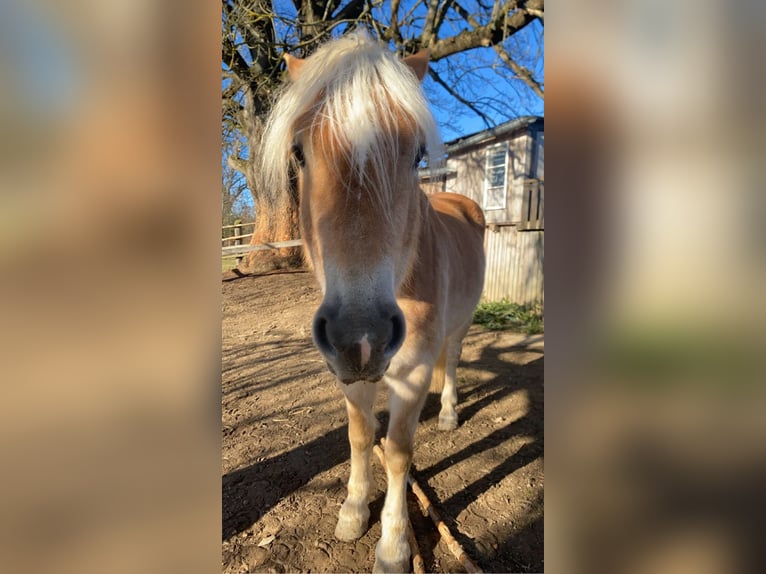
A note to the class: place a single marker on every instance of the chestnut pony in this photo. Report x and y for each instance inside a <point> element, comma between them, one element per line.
<point>400,272</point>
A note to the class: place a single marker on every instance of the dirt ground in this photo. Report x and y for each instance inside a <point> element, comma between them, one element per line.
<point>286,453</point>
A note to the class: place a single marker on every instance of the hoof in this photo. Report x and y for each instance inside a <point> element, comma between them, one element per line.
<point>447,423</point>
<point>394,558</point>
<point>349,529</point>
<point>383,567</point>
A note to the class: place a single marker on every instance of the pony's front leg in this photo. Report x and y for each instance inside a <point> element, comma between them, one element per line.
<point>392,554</point>
<point>354,514</point>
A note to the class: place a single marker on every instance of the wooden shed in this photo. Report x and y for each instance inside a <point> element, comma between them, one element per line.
<point>502,169</point>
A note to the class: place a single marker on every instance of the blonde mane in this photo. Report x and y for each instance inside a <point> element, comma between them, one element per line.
<point>357,93</point>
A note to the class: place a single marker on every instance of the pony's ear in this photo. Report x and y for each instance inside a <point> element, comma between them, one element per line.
<point>418,63</point>
<point>294,66</point>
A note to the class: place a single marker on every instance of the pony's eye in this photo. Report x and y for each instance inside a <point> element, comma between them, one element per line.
<point>420,156</point>
<point>298,155</point>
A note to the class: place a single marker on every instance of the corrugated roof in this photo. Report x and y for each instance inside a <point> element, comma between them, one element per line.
<point>487,136</point>
<point>457,145</point>
<point>436,173</point>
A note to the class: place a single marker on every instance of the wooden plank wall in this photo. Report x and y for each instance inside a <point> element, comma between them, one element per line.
<point>514,257</point>
<point>514,265</point>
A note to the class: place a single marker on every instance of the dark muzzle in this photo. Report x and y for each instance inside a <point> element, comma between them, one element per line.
<point>358,344</point>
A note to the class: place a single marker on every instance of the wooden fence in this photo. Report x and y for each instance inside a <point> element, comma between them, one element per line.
<point>232,241</point>
<point>514,259</point>
<point>231,235</point>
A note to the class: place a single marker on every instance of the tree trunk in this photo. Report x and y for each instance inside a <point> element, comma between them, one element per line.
<point>276,211</point>
<point>274,223</point>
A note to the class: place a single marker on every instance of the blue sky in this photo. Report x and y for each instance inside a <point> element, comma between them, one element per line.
<point>502,99</point>
<point>526,46</point>
<point>452,127</point>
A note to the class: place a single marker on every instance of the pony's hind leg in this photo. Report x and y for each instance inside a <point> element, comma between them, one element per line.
<point>354,514</point>
<point>448,412</point>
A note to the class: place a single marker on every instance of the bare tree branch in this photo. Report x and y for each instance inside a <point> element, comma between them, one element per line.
<point>395,33</point>
<point>437,78</point>
<point>429,27</point>
<point>233,60</point>
<point>255,34</point>
<point>236,163</point>
<point>505,23</point>
<point>524,74</point>
<point>351,11</point>
<point>439,20</point>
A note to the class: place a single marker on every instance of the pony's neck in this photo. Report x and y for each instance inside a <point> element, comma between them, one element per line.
<point>420,218</point>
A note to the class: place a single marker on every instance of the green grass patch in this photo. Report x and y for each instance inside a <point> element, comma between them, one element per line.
<point>667,355</point>
<point>228,264</point>
<point>499,315</point>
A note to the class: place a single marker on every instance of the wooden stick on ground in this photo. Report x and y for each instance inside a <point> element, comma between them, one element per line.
<point>453,545</point>
<point>418,566</point>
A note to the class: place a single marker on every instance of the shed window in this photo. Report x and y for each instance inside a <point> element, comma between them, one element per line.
<point>496,177</point>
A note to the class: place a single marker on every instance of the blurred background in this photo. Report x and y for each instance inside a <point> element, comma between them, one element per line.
<point>655,272</point>
<point>110,162</point>
<point>110,289</point>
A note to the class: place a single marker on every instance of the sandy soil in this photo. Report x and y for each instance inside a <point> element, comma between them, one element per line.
<point>285,448</point>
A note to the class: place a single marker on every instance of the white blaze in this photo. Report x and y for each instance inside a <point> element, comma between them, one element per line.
<point>366,350</point>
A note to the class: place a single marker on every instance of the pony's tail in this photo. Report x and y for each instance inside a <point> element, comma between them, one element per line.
<point>440,370</point>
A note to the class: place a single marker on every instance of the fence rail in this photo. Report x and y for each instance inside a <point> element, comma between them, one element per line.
<point>239,250</point>
<point>233,225</point>
<point>236,238</point>
<point>514,260</point>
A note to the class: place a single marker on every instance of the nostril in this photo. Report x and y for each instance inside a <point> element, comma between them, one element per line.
<point>398,331</point>
<point>321,338</point>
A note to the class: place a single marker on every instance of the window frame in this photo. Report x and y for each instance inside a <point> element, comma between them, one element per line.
<point>489,151</point>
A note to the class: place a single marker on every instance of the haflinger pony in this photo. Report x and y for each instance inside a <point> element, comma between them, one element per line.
<point>400,272</point>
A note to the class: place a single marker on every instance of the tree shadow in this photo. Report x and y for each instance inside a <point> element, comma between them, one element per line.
<point>235,274</point>
<point>248,493</point>
<point>265,358</point>
<point>508,378</point>
<point>521,550</point>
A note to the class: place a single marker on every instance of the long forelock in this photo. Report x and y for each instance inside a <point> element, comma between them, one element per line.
<point>359,95</point>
